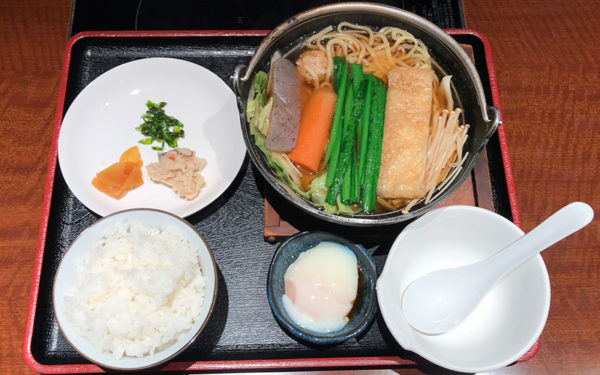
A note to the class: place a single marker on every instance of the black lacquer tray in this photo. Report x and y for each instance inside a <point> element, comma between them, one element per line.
<point>242,332</point>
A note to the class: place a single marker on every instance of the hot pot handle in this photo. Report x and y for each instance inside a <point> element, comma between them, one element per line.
<point>493,120</point>
<point>237,76</point>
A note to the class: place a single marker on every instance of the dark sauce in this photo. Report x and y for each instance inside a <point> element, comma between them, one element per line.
<point>359,302</point>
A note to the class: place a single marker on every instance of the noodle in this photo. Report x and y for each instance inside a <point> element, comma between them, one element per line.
<point>372,49</point>
<point>314,76</point>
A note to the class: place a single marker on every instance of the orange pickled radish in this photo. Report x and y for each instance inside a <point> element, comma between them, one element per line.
<point>132,155</point>
<point>120,177</point>
<point>314,128</point>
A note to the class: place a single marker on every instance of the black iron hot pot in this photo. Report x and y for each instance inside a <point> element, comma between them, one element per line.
<point>448,57</point>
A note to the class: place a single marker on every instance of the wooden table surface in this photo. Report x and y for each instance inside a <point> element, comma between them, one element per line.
<point>547,60</point>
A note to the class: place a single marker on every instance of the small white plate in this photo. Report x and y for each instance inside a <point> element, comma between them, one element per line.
<point>101,123</point>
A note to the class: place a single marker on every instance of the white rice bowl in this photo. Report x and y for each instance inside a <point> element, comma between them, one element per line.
<point>134,289</point>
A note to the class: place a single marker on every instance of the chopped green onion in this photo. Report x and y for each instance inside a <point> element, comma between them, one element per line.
<point>159,127</point>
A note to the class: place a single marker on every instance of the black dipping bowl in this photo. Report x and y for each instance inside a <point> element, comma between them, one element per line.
<point>365,304</point>
<point>446,53</point>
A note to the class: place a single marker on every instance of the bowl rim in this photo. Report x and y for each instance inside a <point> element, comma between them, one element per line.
<point>407,344</point>
<point>244,74</point>
<point>383,9</point>
<point>186,344</point>
<point>302,333</point>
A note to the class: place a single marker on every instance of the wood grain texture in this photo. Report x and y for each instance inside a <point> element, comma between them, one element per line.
<point>547,60</point>
<point>546,56</point>
<point>32,35</point>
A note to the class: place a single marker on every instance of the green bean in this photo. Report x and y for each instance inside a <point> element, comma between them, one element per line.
<point>355,180</point>
<point>334,144</point>
<point>373,159</point>
<point>340,160</point>
<point>338,71</point>
<point>357,75</point>
<point>346,191</point>
<point>357,114</point>
<point>363,129</point>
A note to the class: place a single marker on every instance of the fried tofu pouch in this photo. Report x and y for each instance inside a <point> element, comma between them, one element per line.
<point>406,133</point>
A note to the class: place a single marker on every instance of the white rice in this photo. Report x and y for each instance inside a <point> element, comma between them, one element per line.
<point>137,291</point>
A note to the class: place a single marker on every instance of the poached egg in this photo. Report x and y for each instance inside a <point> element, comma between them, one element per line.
<point>321,286</point>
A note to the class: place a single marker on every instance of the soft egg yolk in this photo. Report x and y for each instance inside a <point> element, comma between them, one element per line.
<point>321,286</point>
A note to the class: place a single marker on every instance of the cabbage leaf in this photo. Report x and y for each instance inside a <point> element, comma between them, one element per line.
<point>318,193</point>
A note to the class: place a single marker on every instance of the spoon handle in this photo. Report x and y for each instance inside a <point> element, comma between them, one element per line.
<point>561,224</point>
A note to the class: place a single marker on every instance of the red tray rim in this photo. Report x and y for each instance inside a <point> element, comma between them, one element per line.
<point>289,363</point>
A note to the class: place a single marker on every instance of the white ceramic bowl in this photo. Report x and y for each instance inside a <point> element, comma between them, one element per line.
<point>507,322</point>
<point>88,240</point>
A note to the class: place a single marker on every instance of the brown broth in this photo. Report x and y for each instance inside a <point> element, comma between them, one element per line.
<point>306,177</point>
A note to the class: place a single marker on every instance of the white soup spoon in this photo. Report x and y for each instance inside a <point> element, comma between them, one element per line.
<point>440,300</point>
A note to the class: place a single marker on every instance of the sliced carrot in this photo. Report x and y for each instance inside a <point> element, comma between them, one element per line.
<point>132,155</point>
<point>314,128</point>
